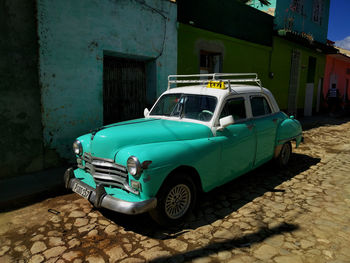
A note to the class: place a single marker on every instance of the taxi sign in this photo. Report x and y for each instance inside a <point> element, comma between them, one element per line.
<point>216,85</point>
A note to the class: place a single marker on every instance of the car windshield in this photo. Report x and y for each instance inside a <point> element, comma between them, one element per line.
<point>197,107</point>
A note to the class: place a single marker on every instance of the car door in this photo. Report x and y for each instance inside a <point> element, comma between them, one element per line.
<point>238,140</point>
<point>265,125</point>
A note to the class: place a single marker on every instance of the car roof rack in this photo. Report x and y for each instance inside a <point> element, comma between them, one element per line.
<point>229,78</point>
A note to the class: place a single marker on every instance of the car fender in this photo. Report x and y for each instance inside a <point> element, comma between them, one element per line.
<point>201,154</point>
<point>288,130</point>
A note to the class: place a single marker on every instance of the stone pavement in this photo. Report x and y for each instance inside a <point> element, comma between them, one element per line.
<point>300,214</point>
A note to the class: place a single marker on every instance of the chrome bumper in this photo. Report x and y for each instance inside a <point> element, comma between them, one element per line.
<point>99,197</point>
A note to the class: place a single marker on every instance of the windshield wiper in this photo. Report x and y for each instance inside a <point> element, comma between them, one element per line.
<point>178,109</point>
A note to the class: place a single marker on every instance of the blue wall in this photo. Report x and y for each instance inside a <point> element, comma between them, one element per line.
<point>73,38</point>
<point>303,22</point>
<point>287,18</point>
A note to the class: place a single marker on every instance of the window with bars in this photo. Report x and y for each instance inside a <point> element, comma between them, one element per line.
<point>297,6</point>
<point>317,11</point>
<point>210,62</point>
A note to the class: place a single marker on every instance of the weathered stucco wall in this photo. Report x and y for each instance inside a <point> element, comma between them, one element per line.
<point>74,36</point>
<point>20,116</point>
<point>285,16</point>
<point>238,55</point>
<point>281,67</point>
<point>336,71</point>
<point>242,56</point>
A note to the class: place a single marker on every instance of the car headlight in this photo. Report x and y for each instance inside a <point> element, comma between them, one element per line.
<point>134,167</point>
<point>77,148</point>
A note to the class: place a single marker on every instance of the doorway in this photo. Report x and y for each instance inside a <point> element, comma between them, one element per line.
<point>310,85</point>
<point>210,62</point>
<point>294,82</point>
<point>124,89</point>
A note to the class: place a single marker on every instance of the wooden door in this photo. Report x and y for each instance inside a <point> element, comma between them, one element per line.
<point>124,89</point>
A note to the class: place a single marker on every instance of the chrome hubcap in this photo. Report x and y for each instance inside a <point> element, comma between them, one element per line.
<point>177,201</point>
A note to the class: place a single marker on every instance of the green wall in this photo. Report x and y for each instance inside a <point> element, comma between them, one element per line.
<point>281,65</point>
<point>238,55</point>
<point>228,17</point>
<point>242,56</point>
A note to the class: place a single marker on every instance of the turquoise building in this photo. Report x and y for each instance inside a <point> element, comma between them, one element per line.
<point>101,62</point>
<point>306,17</point>
<point>71,66</point>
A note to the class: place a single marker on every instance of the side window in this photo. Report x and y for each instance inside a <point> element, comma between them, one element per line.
<point>260,106</point>
<point>234,107</point>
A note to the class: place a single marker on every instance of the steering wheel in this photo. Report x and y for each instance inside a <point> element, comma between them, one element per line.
<point>205,115</point>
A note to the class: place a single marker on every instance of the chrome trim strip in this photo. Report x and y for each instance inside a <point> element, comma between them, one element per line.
<point>116,204</point>
<point>104,171</point>
<point>102,161</point>
<point>107,172</point>
<point>289,139</point>
<point>99,176</point>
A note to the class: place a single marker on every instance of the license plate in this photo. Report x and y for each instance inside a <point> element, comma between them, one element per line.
<point>81,190</point>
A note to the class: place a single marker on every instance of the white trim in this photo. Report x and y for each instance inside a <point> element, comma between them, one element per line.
<point>227,78</point>
<point>244,91</point>
<point>173,118</point>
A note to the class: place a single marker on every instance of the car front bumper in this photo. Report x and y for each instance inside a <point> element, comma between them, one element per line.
<point>99,198</point>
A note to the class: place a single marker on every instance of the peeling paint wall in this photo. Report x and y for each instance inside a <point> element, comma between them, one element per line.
<point>288,16</point>
<point>242,56</point>
<point>281,67</point>
<point>20,114</point>
<point>73,38</point>
<point>238,55</point>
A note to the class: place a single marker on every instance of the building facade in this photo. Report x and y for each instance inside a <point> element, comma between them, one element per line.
<point>238,38</point>
<point>20,111</point>
<point>337,73</point>
<point>101,62</point>
<point>306,17</point>
<point>86,64</point>
<point>298,72</point>
<point>299,51</point>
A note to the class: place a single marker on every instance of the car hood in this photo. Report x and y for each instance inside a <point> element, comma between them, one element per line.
<point>105,142</point>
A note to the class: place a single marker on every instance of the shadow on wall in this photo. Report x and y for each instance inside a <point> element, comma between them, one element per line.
<point>324,120</point>
<point>222,201</point>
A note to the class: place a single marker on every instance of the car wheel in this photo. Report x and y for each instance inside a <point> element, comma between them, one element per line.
<point>285,153</point>
<point>176,199</point>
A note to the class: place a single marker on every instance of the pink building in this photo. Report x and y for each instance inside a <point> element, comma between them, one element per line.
<point>338,72</point>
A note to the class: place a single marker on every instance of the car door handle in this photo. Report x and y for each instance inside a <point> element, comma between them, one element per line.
<point>274,120</point>
<point>250,126</point>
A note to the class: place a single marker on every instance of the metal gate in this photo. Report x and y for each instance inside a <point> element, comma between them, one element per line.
<point>124,89</point>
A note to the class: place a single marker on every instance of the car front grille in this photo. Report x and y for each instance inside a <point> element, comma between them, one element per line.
<point>106,171</point>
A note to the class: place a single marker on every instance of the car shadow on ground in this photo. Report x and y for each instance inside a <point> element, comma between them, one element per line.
<point>221,201</point>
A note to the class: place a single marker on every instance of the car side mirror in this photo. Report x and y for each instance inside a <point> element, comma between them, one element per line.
<point>225,121</point>
<point>145,112</point>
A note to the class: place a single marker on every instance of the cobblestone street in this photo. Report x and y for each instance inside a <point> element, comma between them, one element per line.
<point>301,214</point>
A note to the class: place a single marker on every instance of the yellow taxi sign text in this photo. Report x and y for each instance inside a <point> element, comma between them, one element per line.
<point>216,85</point>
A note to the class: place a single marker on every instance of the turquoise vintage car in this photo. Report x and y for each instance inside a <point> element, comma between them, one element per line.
<point>195,138</point>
